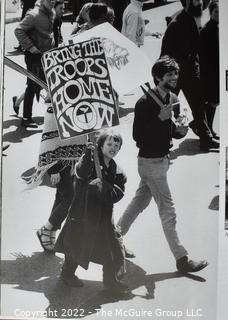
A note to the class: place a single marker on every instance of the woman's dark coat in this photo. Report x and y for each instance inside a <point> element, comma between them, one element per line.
<point>89,233</point>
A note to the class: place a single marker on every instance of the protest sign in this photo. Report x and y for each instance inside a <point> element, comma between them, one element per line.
<point>128,66</point>
<point>80,88</point>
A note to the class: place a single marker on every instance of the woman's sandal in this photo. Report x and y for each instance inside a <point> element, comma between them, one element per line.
<point>44,236</point>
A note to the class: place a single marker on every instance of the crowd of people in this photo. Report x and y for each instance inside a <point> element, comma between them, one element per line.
<point>189,61</point>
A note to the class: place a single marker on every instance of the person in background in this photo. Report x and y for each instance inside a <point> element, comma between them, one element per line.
<point>183,2</point>
<point>182,42</point>
<point>26,5</point>
<point>83,16</point>
<point>59,11</point>
<point>205,3</point>
<point>35,34</point>
<point>209,63</point>
<point>118,7</point>
<point>98,14</point>
<point>76,7</point>
<point>133,26</point>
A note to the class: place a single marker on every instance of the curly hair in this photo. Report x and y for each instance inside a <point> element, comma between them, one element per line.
<point>163,65</point>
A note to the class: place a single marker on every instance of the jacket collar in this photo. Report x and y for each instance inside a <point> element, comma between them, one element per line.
<point>161,92</point>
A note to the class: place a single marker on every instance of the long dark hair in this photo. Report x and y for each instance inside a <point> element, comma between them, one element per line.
<point>163,65</point>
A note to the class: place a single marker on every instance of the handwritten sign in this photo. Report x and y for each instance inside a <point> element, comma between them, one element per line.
<point>80,87</point>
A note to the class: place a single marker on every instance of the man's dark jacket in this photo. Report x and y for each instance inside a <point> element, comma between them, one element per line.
<point>209,61</point>
<point>182,42</point>
<point>152,135</point>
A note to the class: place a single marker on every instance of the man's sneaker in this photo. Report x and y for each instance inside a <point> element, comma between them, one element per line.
<point>209,144</point>
<point>214,135</point>
<point>19,48</point>
<point>5,146</point>
<point>184,265</point>
<point>71,281</point>
<point>28,122</point>
<point>15,107</point>
<point>117,286</point>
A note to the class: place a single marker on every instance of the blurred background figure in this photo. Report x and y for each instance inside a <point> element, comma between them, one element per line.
<point>133,26</point>
<point>59,11</point>
<point>26,5</point>
<point>182,42</point>
<point>83,16</point>
<point>209,63</point>
<point>205,3</point>
<point>98,13</point>
<point>76,6</point>
<point>118,7</point>
<point>35,35</point>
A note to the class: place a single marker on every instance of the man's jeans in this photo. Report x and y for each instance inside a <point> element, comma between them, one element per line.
<point>153,173</point>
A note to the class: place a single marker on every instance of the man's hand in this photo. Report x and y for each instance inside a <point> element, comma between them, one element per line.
<point>91,146</point>
<point>55,178</point>
<point>166,112</point>
<point>157,35</point>
<point>34,50</point>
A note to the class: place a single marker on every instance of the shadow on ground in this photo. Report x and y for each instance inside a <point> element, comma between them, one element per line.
<point>20,133</point>
<point>39,273</point>
<point>189,147</point>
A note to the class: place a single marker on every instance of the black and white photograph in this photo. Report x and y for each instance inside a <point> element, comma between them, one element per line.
<point>111,159</point>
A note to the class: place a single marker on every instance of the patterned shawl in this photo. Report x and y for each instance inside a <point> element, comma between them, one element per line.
<point>53,149</point>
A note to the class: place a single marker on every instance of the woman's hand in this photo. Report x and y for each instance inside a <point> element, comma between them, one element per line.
<point>91,146</point>
<point>55,178</point>
<point>97,182</point>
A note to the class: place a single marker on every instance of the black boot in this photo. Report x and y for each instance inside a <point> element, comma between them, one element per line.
<point>210,112</point>
<point>111,284</point>
<point>67,275</point>
<point>208,144</point>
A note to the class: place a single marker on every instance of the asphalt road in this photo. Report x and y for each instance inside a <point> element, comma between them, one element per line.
<point>30,285</point>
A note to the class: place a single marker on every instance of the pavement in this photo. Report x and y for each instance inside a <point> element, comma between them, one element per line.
<point>29,277</point>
